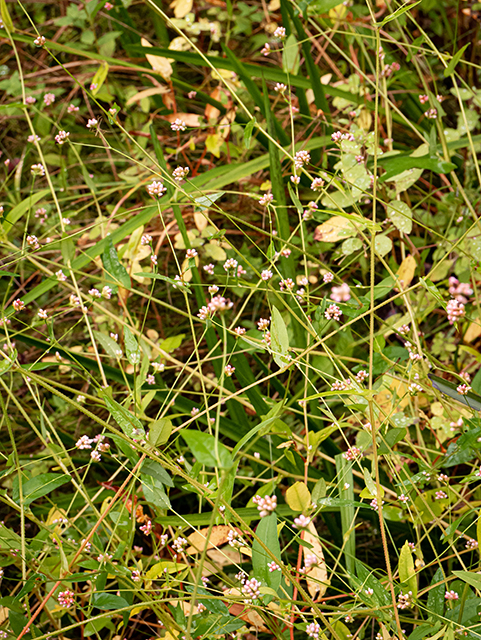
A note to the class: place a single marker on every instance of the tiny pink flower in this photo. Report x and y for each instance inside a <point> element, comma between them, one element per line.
<point>178,125</point>
<point>301,522</point>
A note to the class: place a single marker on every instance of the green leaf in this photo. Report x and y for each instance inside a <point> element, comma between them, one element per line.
<point>279,338</point>
<point>159,431</point>
<point>370,484</point>
<point>298,497</point>
<point>20,209</point>
<point>206,202</point>
<point>154,492</point>
<point>290,55</point>
<point>113,266</point>
<point>432,288</point>
<point>470,399</point>
<point>436,593</point>
<point>249,128</point>
<point>319,491</point>
<point>400,215</point>
<point>399,12</point>
<point>382,245</point>
<point>40,486</point>
<point>268,422</point>
<point>182,286</point>
<point>267,533</point>
<point>454,61</point>
<point>370,581</point>
<point>316,437</point>
<point>346,480</point>
<point>131,346</point>
<point>322,6</point>
<point>156,470</point>
<point>100,77</point>
<point>474,579</point>
<point>351,245</point>
<point>172,343</point>
<point>207,450</point>
<point>398,164</point>
<point>108,601</point>
<point>8,538</point>
<point>130,424</point>
<point>109,345</point>
<point>407,573</point>
<point>18,622</point>
<point>215,606</point>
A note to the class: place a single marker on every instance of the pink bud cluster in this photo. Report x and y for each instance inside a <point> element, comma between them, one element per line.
<point>265,505</point>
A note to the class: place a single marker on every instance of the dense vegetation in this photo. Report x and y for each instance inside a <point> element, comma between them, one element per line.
<point>240,280</point>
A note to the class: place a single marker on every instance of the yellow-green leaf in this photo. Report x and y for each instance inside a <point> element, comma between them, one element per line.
<point>7,20</point>
<point>99,78</point>
<point>407,573</point>
<point>213,143</point>
<point>298,497</point>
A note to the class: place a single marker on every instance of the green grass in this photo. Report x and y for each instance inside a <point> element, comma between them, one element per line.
<point>299,403</point>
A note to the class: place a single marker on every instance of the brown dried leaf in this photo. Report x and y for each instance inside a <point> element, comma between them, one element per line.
<point>158,63</point>
<point>225,557</point>
<point>201,220</point>
<point>190,119</point>
<point>153,91</point>
<point>211,112</point>
<point>472,332</point>
<point>316,577</point>
<point>218,537</point>
<point>248,615</point>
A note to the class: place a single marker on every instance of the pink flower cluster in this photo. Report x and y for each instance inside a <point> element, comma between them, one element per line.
<point>217,303</point>
<point>455,310</point>
<point>341,293</point>
<point>460,290</point>
<point>66,599</point>
<point>266,505</point>
<point>250,589</point>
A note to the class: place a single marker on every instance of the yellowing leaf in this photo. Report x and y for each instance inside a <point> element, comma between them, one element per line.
<point>334,229</point>
<point>407,573</point>
<point>298,497</point>
<point>382,244</point>
<point>201,220</point>
<point>406,271</point>
<point>158,63</point>
<point>316,577</point>
<point>338,12</point>
<point>187,273</point>
<point>99,78</point>
<point>365,120</point>
<point>213,143</point>
<point>158,569</point>
<point>215,251</point>
<point>6,19</point>
<point>181,7</point>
